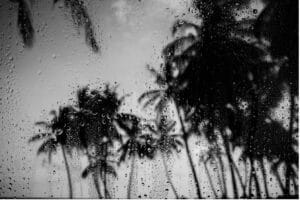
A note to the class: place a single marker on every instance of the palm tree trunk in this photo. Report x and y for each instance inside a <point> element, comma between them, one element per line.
<point>279,180</point>
<point>97,185</point>
<point>258,190</point>
<point>254,176</point>
<point>287,180</point>
<point>106,193</point>
<point>229,157</point>
<point>220,179</point>
<point>105,184</point>
<point>185,139</point>
<point>223,177</point>
<point>130,177</point>
<point>246,178</point>
<point>295,185</point>
<point>210,180</point>
<point>291,129</point>
<point>240,179</point>
<point>254,122</point>
<point>68,171</point>
<point>168,176</point>
<point>95,180</point>
<point>264,174</point>
<point>250,180</point>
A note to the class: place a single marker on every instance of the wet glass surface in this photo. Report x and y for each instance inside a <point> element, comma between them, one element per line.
<point>148,99</point>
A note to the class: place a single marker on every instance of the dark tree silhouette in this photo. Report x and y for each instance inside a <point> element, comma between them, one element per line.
<point>278,23</point>
<point>165,95</point>
<point>165,141</point>
<point>97,112</point>
<point>133,144</point>
<point>213,72</point>
<point>59,132</point>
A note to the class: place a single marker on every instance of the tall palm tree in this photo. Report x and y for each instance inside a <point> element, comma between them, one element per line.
<point>279,27</point>
<point>214,71</point>
<point>99,167</point>
<point>133,145</point>
<point>58,134</point>
<point>163,96</point>
<point>97,110</point>
<point>165,142</point>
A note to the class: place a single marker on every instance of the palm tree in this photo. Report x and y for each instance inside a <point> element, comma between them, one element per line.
<point>99,167</point>
<point>165,142</point>
<point>283,46</point>
<point>97,111</point>
<point>59,134</point>
<point>214,70</point>
<point>133,144</point>
<point>169,93</point>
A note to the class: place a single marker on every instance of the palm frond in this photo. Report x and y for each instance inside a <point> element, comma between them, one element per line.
<point>45,124</point>
<point>47,146</point>
<point>178,46</point>
<point>170,126</point>
<point>81,19</point>
<point>127,121</point>
<point>90,37</point>
<point>39,137</point>
<point>160,79</point>
<point>161,105</point>
<point>151,100</point>
<point>110,170</point>
<point>151,129</point>
<point>148,94</point>
<point>24,23</point>
<point>89,169</point>
<point>181,25</point>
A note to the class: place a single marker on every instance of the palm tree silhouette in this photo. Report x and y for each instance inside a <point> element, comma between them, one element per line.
<point>59,133</point>
<point>283,45</point>
<point>163,96</point>
<point>165,142</point>
<point>214,70</point>
<point>132,147</point>
<point>133,144</point>
<point>97,110</point>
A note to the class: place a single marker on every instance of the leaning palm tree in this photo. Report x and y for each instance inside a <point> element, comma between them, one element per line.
<point>58,134</point>
<point>165,142</point>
